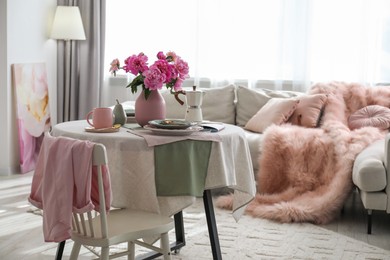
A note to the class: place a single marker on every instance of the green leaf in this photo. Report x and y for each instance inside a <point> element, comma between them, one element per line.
<point>133,89</point>
<point>147,93</point>
<point>139,80</point>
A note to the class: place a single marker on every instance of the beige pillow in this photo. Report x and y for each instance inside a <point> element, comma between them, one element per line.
<point>249,101</point>
<point>309,110</point>
<point>275,111</point>
<point>218,104</point>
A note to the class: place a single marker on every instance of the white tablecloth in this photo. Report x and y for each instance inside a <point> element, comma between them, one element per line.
<point>131,164</point>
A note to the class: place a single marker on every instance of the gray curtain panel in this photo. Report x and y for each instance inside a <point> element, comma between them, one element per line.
<point>82,92</point>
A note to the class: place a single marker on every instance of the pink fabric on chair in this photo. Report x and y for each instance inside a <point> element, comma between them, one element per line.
<point>63,183</point>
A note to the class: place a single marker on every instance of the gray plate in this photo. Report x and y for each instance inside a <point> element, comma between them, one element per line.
<point>170,124</point>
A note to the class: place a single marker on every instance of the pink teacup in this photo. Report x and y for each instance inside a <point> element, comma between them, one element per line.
<point>102,117</point>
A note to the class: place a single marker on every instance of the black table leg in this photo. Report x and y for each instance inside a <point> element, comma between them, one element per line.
<point>212,225</point>
<point>179,232</point>
<point>180,237</point>
<point>60,250</point>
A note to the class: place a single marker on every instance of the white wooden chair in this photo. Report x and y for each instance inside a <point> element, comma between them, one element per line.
<point>118,226</point>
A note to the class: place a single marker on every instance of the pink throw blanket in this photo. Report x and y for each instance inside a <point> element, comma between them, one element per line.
<point>64,181</point>
<point>305,173</point>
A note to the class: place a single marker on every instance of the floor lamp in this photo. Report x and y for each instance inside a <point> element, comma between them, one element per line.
<point>67,26</point>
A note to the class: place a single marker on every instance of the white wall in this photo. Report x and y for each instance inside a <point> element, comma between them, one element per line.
<point>24,29</point>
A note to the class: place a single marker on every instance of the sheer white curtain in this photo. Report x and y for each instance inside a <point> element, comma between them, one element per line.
<point>282,44</point>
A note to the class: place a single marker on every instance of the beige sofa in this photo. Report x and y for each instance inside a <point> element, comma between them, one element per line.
<point>371,176</point>
<point>236,105</point>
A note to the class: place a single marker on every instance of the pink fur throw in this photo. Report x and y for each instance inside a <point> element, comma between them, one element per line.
<point>305,173</point>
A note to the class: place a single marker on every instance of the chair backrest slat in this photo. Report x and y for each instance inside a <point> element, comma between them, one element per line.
<point>99,159</point>
<point>90,224</point>
<point>103,213</point>
<point>77,221</point>
<point>74,225</point>
<point>82,220</point>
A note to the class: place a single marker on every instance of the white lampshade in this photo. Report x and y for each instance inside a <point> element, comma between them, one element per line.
<point>67,24</point>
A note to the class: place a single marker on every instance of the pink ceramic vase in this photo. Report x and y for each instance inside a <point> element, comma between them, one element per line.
<point>149,109</point>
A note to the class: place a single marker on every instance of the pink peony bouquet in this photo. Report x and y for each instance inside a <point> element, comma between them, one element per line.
<point>168,69</point>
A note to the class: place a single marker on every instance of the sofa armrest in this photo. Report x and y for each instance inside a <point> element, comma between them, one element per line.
<point>369,173</point>
<point>387,152</point>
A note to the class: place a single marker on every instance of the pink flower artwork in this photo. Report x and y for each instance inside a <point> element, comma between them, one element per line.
<point>33,116</point>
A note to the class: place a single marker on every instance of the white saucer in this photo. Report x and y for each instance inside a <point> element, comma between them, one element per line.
<point>101,130</point>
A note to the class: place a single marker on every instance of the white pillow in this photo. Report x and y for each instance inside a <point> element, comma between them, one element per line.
<point>275,111</point>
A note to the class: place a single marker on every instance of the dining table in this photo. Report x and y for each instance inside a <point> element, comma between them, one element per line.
<point>164,172</point>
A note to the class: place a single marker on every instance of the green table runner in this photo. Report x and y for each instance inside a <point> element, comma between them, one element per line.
<point>181,167</point>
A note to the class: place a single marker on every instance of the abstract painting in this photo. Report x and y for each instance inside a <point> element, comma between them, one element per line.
<point>33,115</point>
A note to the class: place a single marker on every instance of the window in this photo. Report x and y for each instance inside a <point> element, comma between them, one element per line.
<point>255,41</point>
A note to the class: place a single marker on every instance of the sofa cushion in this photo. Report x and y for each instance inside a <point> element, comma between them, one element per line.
<point>275,111</point>
<point>218,105</point>
<point>369,173</point>
<point>249,101</point>
<point>309,109</point>
<point>374,115</point>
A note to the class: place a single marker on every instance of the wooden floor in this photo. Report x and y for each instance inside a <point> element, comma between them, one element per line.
<point>353,223</point>
<point>19,233</point>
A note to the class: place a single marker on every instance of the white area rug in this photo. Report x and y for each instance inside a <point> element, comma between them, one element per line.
<point>253,238</point>
<point>250,238</point>
<point>21,235</point>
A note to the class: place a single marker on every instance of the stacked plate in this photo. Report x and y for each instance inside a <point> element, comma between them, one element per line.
<point>172,127</point>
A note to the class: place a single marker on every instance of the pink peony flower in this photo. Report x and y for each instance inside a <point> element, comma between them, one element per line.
<point>178,83</point>
<point>161,55</point>
<point>171,56</point>
<point>115,65</point>
<point>166,68</point>
<point>136,63</point>
<point>182,68</point>
<point>154,78</point>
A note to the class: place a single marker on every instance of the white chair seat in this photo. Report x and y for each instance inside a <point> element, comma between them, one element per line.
<point>125,225</point>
